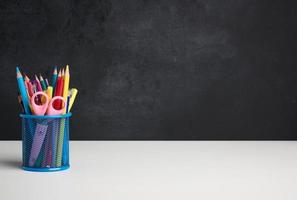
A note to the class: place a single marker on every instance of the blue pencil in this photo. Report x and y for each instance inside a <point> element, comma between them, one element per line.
<point>23,91</point>
<point>25,99</point>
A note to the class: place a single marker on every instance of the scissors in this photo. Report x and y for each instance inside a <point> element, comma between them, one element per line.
<point>46,106</point>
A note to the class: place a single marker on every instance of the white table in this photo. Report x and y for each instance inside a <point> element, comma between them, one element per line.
<point>152,170</point>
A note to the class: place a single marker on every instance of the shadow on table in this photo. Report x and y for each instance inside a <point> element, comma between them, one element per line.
<point>9,163</point>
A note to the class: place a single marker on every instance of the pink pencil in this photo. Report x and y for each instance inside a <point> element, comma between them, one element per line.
<point>30,88</point>
<point>38,85</point>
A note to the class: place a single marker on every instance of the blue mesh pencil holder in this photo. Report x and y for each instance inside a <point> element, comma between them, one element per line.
<point>45,141</point>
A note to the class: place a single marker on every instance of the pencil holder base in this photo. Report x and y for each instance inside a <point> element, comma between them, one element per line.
<point>54,169</point>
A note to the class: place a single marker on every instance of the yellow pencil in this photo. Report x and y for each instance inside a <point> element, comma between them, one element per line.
<point>66,85</point>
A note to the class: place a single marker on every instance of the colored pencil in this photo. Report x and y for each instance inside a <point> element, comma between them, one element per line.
<point>63,73</point>
<point>66,79</point>
<point>38,85</point>
<point>24,96</point>
<point>47,83</point>
<point>34,88</point>
<point>66,85</point>
<point>29,88</point>
<point>54,78</point>
<point>56,124</point>
<point>37,89</point>
<point>26,81</point>
<point>23,91</point>
<point>59,91</point>
<point>21,102</point>
<point>42,82</point>
<point>58,83</point>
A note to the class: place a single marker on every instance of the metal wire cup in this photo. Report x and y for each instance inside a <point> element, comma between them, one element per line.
<point>45,141</point>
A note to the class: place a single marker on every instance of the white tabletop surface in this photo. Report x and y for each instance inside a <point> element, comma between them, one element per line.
<point>153,170</point>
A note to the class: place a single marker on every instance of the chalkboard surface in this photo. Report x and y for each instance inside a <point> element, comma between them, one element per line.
<point>158,69</point>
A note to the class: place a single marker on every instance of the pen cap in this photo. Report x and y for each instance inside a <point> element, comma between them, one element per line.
<point>49,92</point>
<point>73,93</point>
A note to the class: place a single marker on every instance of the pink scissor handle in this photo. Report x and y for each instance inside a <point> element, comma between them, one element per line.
<point>51,110</point>
<point>39,109</point>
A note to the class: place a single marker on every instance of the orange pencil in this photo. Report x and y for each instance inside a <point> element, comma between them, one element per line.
<point>29,86</point>
<point>26,80</point>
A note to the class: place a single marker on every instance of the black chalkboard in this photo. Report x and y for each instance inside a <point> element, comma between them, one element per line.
<point>153,70</point>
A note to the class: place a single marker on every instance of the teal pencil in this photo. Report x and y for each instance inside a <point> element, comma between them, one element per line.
<point>23,91</point>
<point>42,82</point>
<point>46,81</point>
<point>54,79</point>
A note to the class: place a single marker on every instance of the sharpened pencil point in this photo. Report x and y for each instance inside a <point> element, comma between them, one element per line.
<point>36,78</point>
<point>67,70</point>
<point>55,70</point>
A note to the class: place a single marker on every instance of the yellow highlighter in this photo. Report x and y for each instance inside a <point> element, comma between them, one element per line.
<point>73,93</point>
<point>49,92</point>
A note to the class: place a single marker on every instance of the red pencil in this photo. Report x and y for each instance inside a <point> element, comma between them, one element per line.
<point>58,83</point>
<point>59,91</point>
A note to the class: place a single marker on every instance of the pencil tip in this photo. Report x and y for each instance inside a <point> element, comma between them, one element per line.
<point>18,73</point>
<point>26,77</point>
<point>67,70</point>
